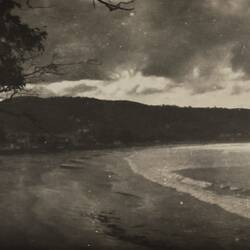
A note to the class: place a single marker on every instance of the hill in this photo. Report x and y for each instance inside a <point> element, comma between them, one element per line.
<point>32,122</point>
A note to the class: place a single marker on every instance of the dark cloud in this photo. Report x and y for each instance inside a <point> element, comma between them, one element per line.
<point>79,33</point>
<point>186,31</point>
<point>237,90</point>
<point>79,89</point>
<point>150,91</point>
<point>165,38</point>
<point>144,89</point>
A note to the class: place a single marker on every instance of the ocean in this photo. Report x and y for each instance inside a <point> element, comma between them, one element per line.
<point>218,174</point>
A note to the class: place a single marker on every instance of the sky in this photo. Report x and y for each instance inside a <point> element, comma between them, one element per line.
<point>178,52</point>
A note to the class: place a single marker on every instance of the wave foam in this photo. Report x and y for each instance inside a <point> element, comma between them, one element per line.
<point>197,189</point>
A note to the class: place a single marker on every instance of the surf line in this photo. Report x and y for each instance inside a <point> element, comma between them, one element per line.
<point>234,205</point>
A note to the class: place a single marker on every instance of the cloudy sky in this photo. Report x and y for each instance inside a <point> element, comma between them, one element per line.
<point>182,52</point>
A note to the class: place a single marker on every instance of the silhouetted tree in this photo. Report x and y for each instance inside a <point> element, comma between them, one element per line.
<point>19,43</point>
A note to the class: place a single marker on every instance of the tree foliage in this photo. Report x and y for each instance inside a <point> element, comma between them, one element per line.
<point>19,43</point>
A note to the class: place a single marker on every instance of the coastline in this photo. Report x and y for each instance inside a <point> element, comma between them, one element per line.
<point>198,189</point>
<point>168,219</point>
<point>128,147</point>
<point>104,205</point>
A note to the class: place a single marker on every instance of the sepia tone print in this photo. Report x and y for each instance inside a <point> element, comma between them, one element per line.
<point>124,125</point>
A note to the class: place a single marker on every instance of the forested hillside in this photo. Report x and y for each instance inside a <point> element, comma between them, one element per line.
<point>31,122</point>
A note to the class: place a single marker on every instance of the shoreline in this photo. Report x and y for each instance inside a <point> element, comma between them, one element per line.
<point>110,205</point>
<point>137,146</point>
<point>181,205</point>
<point>195,188</point>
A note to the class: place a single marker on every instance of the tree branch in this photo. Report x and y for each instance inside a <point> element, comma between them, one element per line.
<point>123,5</point>
<point>53,68</point>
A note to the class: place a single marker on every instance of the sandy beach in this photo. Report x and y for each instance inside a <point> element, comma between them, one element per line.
<point>93,200</point>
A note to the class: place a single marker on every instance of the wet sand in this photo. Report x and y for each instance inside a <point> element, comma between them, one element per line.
<point>93,200</point>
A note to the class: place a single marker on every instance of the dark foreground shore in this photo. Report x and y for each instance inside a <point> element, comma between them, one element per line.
<point>93,200</point>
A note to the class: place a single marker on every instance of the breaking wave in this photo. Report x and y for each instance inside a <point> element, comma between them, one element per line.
<point>158,172</point>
